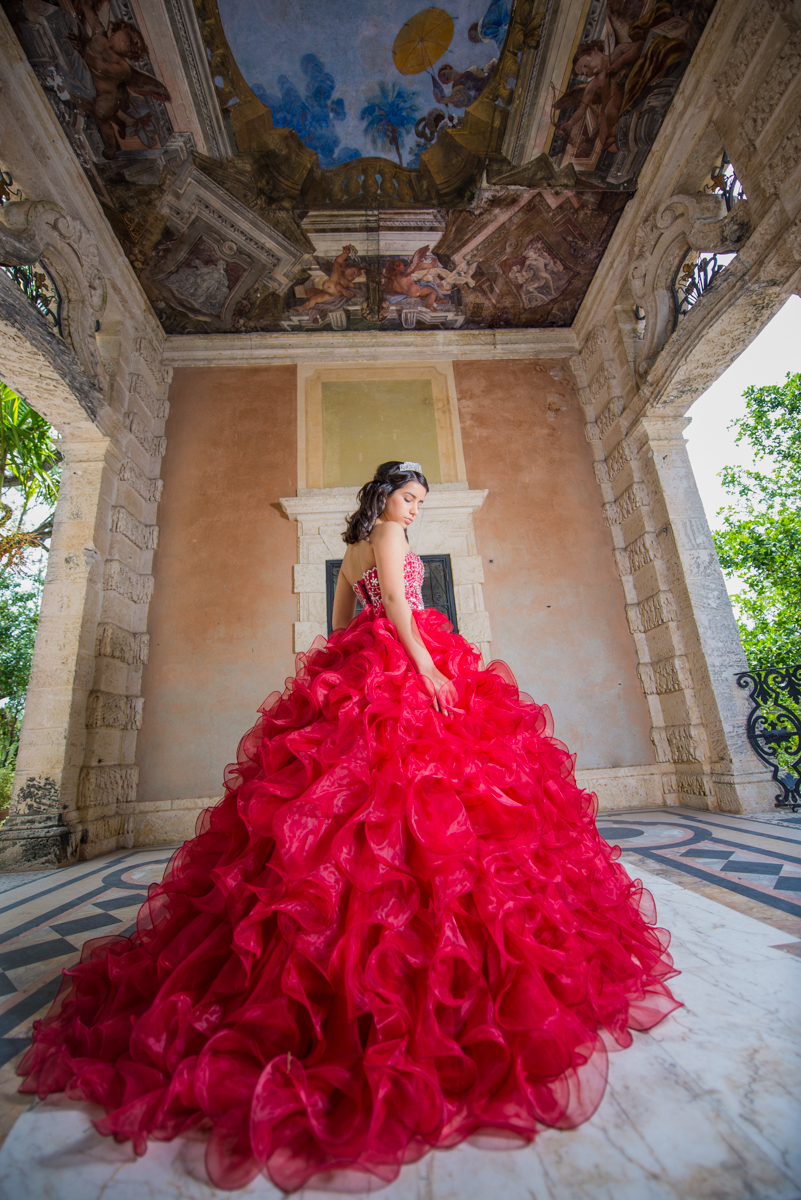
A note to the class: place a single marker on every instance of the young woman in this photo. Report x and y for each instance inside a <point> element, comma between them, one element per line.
<point>398,929</point>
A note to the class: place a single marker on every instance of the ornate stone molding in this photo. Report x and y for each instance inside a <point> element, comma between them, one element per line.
<point>34,230</point>
<point>253,349</point>
<point>684,222</point>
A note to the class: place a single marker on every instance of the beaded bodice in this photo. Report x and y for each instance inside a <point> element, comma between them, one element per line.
<point>369,591</point>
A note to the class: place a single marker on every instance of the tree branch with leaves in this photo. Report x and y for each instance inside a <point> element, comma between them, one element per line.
<point>760,538</point>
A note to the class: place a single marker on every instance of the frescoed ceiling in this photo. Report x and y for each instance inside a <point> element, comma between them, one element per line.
<point>365,165</point>
<point>359,80</point>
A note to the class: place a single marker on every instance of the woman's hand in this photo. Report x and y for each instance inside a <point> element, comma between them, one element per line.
<point>438,686</point>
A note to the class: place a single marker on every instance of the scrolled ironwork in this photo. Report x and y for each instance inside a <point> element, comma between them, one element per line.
<point>774,726</point>
<point>725,182</point>
<point>38,285</point>
<point>693,277</point>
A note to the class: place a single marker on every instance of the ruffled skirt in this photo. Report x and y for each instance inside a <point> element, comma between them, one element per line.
<point>398,929</point>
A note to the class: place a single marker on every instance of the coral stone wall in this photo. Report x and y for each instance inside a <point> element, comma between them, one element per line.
<point>221,617</point>
<point>553,594</point>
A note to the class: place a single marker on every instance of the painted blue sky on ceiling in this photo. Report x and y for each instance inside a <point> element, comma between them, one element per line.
<point>326,68</point>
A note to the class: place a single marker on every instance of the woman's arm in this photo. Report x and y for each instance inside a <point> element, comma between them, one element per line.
<point>390,546</point>
<point>344,603</point>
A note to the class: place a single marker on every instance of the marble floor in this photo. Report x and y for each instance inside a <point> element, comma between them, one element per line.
<point>704,1107</point>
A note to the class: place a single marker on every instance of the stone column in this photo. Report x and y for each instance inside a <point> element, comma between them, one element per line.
<point>42,826</point>
<point>676,603</point>
<point>709,633</point>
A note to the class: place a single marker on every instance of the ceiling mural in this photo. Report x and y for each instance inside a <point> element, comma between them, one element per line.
<point>388,166</point>
<point>377,77</point>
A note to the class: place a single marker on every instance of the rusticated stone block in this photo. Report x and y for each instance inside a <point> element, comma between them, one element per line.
<point>687,785</point>
<point>158,409</point>
<point>642,551</point>
<point>619,458</point>
<point>621,509</point>
<point>152,357</point>
<point>144,536</point>
<point>603,378</point>
<point>677,744</point>
<point>149,489</point>
<point>130,584</point>
<point>107,710</point>
<point>610,414</point>
<point>666,676</point>
<point>156,447</point>
<point>111,783</point>
<point>656,610</point>
<point>114,642</point>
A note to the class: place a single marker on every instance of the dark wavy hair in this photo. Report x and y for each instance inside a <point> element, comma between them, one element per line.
<point>373,496</point>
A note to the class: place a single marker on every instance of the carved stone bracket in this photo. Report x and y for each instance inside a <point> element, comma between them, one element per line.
<point>683,223</point>
<point>38,230</point>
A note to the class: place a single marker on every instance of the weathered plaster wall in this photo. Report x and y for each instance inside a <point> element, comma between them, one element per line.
<point>223,606</point>
<point>551,588</point>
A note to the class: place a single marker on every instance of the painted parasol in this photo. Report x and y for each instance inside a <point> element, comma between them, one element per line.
<point>422,40</point>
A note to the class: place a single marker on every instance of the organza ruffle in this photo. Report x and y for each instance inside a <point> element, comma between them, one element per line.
<point>398,929</point>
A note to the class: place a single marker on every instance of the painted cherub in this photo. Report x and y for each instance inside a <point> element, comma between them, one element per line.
<point>617,78</point>
<point>466,86</point>
<point>398,280</point>
<point>603,93</point>
<point>107,54</point>
<point>339,282</point>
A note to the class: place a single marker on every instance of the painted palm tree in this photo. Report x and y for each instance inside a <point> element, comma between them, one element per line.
<point>389,112</point>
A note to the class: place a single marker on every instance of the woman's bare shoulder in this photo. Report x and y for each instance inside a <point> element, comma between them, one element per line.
<point>351,564</point>
<point>388,533</point>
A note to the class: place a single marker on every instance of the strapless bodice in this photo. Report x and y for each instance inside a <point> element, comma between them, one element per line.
<point>368,588</point>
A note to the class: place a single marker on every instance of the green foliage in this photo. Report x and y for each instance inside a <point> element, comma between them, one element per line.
<point>29,467</point>
<point>19,616</point>
<point>28,454</point>
<point>760,538</point>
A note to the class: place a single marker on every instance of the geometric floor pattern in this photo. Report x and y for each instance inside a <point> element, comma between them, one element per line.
<point>749,863</point>
<point>750,866</point>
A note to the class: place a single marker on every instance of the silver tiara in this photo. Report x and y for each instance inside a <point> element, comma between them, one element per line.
<point>409,466</point>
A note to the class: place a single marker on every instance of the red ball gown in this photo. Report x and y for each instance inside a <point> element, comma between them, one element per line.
<point>397,930</point>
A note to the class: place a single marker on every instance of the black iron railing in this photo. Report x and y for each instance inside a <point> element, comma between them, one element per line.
<point>39,286</point>
<point>693,276</point>
<point>774,726</point>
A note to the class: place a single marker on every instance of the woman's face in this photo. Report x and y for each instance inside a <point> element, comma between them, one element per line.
<point>403,505</point>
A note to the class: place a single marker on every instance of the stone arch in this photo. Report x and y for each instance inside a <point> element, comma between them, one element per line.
<point>76,777</point>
